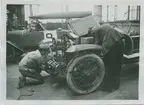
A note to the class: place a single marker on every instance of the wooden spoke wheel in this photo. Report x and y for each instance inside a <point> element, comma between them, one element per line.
<point>85,73</point>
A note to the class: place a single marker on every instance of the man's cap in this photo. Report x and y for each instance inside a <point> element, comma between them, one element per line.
<point>44,44</point>
<point>93,28</point>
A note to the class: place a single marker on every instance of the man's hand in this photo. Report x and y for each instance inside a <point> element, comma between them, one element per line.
<point>42,67</point>
<point>50,56</point>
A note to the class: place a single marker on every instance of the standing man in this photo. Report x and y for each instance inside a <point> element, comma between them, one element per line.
<point>31,65</point>
<point>112,50</point>
<point>16,22</point>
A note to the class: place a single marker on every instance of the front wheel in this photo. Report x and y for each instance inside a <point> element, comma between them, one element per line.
<point>85,73</point>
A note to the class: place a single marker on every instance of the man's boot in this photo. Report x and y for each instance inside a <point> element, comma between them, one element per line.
<point>21,82</point>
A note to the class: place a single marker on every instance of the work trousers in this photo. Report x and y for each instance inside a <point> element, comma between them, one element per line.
<point>32,76</point>
<point>113,66</point>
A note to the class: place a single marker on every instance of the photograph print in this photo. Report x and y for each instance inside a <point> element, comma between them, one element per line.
<point>72,52</point>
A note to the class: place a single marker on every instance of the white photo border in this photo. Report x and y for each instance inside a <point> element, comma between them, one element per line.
<point>69,102</point>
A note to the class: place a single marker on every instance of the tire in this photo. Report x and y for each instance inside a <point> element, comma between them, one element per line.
<point>10,53</point>
<point>129,45</point>
<point>74,77</point>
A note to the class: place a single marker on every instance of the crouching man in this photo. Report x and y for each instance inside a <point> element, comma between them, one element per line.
<point>33,63</point>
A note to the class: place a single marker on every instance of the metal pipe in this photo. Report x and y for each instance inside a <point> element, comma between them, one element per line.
<point>128,12</point>
<point>107,13</point>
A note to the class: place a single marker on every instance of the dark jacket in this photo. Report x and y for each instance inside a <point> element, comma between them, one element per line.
<point>34,60</point>
<point>106,36</point>
<point>31,60</point>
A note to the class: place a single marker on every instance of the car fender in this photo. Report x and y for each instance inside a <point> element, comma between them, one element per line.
<point>83,47</point>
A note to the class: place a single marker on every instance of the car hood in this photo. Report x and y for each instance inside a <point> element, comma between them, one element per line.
<point>81,26</point>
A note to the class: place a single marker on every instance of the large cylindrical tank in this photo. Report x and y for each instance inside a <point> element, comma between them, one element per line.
<point>98,12</point>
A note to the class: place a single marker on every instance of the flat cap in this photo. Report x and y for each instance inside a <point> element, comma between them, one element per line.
<point>44,44</point>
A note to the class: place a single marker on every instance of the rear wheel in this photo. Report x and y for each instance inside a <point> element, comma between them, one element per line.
<point>10,53</point>
<point>85,73</point>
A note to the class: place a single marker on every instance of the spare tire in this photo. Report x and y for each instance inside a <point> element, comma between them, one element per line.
<point>85,73</point>
<point>10,53</point>
<point>129,45</point>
